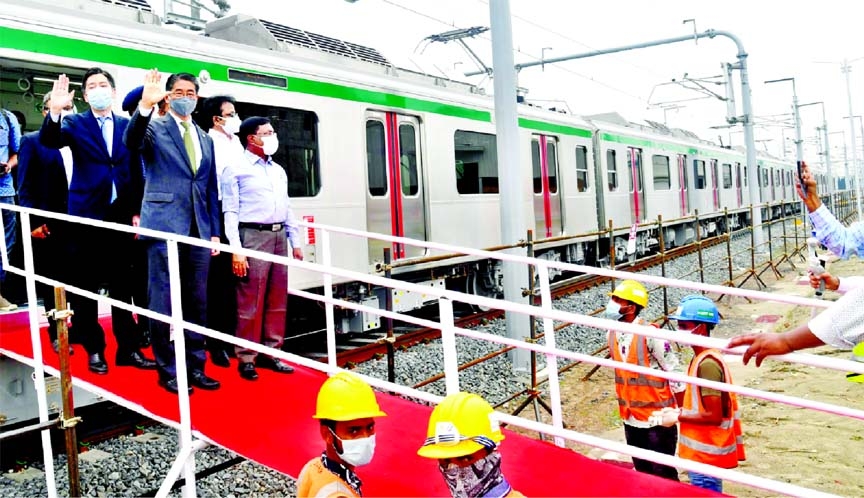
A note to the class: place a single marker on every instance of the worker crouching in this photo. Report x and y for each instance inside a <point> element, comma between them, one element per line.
<point>346,408</point>
<point>464,438</point>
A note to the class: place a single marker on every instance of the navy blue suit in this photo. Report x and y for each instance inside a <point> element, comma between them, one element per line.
<point>178,201</point>
<point>99,256</point>
<point>42,185</point>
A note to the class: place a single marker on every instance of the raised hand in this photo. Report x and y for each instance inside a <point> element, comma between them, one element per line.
<point>153,89</point>
<point>811,198</point>
<point>61,97</point>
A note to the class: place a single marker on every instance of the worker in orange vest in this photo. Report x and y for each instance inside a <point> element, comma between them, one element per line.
<point>710,427</point>
<point>464,437</point>
<point>346,408</point>
<point>639,395</point>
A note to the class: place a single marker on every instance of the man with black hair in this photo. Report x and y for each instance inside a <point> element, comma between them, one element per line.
<point>106,186</point>
<point>258,216</point>
<point>180,197</point>
<point>219,118</point>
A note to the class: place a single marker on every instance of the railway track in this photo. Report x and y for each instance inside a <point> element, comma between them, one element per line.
<point>354,350</point>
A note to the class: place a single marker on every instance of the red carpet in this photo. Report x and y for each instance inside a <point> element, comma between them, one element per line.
<point>270,422</point>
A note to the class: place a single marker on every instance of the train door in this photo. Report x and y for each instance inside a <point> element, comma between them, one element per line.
<point>394,197</point>
<point>547,198</point>
<point>771,178</point>
<point>738,184</point>
<point>638,211</point>
<point>715,185</point>
<point>683,189</point>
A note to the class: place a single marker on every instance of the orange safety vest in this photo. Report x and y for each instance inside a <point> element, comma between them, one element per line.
<point>316,481</point>
<point>638,394</point>
<point>722,445</point>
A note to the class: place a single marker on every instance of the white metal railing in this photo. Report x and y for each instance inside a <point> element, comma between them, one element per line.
<point>184,463</point>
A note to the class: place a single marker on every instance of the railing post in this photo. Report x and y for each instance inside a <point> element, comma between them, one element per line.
<point>611,253</point>
<point>551,360</point>
<point>699,246</point>
<point>662,239</point>
<point>179,336</point>
<point>328,307</point>
<point>448,344</point>
<point>39,368</point>
<point>68,420</point>
<point>532,323</point>
<point>388,322</point>
<point>729,244</point>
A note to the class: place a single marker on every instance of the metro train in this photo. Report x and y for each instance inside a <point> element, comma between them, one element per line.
<point>370,146</point>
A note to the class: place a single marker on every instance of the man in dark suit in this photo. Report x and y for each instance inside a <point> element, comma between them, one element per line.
<point>42,184</point>
<point>180,197</point>
<point>106,186</point>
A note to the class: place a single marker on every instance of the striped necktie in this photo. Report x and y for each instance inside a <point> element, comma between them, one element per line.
<point>109,142</point>
<point>190,146</point>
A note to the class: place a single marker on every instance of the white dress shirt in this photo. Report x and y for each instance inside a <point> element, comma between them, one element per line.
<point>228,150</point>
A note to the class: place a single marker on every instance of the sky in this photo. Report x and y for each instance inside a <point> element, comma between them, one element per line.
<point>804,40</point>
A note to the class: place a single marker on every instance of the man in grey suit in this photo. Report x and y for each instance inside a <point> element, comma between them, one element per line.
<point>180,197</point>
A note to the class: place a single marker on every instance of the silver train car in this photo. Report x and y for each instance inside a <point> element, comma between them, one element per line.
<point>370,146</point>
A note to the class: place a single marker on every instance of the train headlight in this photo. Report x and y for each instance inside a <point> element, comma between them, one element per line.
<point>204,77</point>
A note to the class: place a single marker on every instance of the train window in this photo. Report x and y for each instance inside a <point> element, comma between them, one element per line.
<point>611,171</point>
<point>408,159</point>
<point>552,161</point>
<point>582,168</point>
<point>699,174</point>
<point>297,130</point>
<point>476,159</point>
<point>661,173</point>
<point>764,177</point>
<point>777,177</point>
<point>376,158</point>
<point>727,175</point>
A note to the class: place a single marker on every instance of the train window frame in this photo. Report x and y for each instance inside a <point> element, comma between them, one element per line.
<point>659,177</point>
<point>583,178</point>
<point>475,184</point>
<point>727,175</point>
<point>699,180</point>
<point>377,181</point>
<point>408,169</point>
<point>612,170</point>
<point>299,153</point>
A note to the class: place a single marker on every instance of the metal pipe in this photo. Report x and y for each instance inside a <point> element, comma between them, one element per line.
<point>388,322</point>
<point>30,428</point>
<point>68,421</point>
<point>858,192</point>
<point>512,199</point>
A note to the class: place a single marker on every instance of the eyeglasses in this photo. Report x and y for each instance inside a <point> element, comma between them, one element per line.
<point>179,94</point>
<point>230,115</point>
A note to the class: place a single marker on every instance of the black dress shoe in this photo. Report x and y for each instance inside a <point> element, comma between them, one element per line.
<point>247,371</point>
<point>96,363</point>
<point>55,345</point>
<point>135,359</point>
<point>170,385</point>
<point>220,358</point>
<point>273,364</point>
<point>198,379</point>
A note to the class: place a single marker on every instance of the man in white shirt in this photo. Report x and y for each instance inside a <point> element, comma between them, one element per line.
<point>220,119</point>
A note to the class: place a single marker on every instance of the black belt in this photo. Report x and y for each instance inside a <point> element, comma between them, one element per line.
<point>268,227</point>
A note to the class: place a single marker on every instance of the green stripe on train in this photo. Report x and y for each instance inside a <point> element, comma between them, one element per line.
<point>554,128</point>
<point>29,41</point>
<point>682,149</point>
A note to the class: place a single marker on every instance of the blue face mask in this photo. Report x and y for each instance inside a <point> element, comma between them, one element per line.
<point>183,106</point>
<point>100,98</point>
<point>612,311</point>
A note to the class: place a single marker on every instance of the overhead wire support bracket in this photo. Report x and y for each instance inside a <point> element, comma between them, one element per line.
<point>458,35</point>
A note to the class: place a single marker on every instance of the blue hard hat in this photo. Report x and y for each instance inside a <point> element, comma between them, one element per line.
<point>132,99</point>
<point>697,308</point>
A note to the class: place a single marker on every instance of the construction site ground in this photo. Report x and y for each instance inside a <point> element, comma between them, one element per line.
<point>811,449</point>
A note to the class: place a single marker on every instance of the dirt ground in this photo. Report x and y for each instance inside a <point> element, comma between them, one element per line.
<point>807,448</point>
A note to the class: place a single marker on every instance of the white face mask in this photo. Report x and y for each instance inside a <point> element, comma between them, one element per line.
<point>231,125</point>
<point>271,144</point>
<point>612,311</point>
<point>100,98</point>
<point>357,452</point>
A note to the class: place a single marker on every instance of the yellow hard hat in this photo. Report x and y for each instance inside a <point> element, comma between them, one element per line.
<point>632,291</point>
<point>346,396</point>
<point>461,425</point>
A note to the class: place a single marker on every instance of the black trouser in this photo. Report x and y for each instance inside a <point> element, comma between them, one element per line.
<point>221,299</point>
<point>660,439</point>
<point>49,260</point>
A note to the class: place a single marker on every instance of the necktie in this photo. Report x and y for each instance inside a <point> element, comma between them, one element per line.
<point>106,135</point>
<point>190,146</point>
